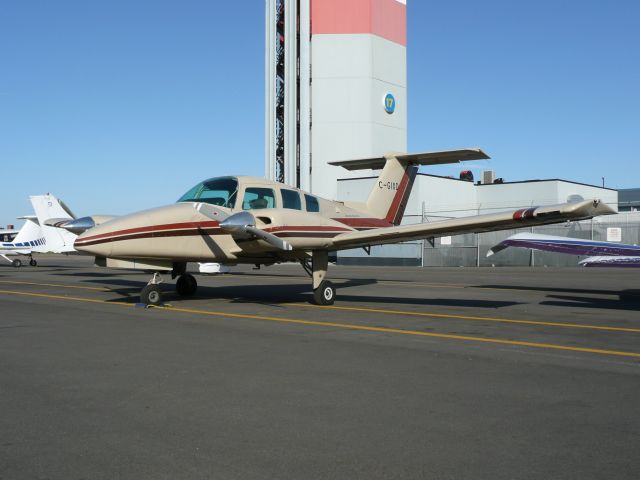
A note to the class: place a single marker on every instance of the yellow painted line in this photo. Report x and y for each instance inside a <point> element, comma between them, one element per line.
<point>301,279</point>
<point>466,317</point>
<point>65,297</point>
<point>101,289</point>
<point>348,326</point>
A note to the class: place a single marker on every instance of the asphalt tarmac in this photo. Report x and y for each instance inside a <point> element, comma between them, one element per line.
<point>505,373</point>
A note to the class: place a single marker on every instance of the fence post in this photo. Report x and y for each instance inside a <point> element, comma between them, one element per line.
<point>532,256</point>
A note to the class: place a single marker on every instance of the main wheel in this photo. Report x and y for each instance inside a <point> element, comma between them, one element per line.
<point>17,263</point>
<point>33,262</point>
<point>151,295</point>
<point>186,285</point>
<point>325,294</point>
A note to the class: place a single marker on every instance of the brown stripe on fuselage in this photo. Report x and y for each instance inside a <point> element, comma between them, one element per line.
<point>153,228</point>
<point>169,233</point>
<point>299,231</point>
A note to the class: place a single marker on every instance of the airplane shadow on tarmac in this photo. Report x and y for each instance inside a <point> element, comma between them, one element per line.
<point>550,289</point>
<point>288,293</point>
<point>98,274</point>
<point>628,300</point>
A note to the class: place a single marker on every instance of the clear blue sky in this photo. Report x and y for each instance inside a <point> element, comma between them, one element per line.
<point>117,106</point>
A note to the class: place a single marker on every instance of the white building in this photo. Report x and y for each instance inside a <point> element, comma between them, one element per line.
<point>435,198</point>
<point>336,76</point>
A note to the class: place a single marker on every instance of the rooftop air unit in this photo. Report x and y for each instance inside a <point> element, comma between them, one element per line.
<point>488,176</point>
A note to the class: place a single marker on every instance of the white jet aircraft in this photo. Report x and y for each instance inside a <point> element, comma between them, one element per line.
<point>23,242</point>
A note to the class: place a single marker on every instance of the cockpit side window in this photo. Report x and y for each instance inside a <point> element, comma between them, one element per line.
<point>220,191</point>
<point>312,203</point>
<point>256,198</point>
<point>291,199</point>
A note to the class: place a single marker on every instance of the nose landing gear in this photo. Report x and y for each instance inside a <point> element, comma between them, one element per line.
<point>152,293</point>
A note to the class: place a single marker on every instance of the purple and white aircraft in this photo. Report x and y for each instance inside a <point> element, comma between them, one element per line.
<point>601,254</point>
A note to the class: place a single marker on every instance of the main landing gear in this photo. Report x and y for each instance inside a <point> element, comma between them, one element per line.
<point>186,286</point>
<point>324,293</point>
<point>17,263</point>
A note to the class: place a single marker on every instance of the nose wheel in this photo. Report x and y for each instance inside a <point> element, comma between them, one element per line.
<point>152,293</point>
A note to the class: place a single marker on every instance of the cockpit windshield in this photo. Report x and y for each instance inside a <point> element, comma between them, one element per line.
<point>221,191</point>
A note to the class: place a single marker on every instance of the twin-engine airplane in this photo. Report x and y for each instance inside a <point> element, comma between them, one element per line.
<point>233,220</point>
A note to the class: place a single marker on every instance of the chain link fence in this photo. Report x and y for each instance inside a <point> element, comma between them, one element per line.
<point>470,250</point>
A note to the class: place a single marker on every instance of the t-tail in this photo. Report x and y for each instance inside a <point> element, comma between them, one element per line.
<point>390,193</point>
<point>47,207</point>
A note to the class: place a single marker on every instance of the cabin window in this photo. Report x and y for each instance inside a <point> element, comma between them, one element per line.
<point>312,203</point>
<point>291,199</point>
<point>256,198</point>
<point>220,191</point>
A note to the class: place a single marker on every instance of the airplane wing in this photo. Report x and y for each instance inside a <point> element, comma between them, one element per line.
<point>480,223</point>
<point>611,261</point>
<point>574,246</point>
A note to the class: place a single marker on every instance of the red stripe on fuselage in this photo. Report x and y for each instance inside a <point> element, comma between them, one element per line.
<point>153,228</point>
<point>202,228</point>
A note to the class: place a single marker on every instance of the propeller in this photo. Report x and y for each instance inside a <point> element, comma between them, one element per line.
<point>241,225</point>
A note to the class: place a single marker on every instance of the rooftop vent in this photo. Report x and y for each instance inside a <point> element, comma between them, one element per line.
<point>488,176</point>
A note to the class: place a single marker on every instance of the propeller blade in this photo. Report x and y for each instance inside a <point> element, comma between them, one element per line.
<point>211,211</point>
<point>270,238</point>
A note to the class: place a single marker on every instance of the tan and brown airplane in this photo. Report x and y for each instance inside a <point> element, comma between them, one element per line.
<point>235,220</point>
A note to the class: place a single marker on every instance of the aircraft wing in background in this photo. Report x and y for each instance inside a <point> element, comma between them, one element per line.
<point>613,261</point>
<point>574,246</point>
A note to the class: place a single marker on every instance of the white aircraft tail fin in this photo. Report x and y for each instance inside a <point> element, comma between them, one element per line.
<point>30,235</point>
<point>56,240</point>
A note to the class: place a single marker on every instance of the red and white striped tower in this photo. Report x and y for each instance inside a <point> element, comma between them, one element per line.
<point>348,97</point>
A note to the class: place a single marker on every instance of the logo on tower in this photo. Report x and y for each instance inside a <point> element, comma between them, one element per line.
<point>389,102</point>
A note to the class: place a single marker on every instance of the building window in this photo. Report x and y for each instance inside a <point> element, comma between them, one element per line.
<point>312,203</point>
<point>256,198</point>
<point>291,199</point>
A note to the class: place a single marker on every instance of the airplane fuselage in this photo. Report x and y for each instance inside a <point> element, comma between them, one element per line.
<point>183,234</point>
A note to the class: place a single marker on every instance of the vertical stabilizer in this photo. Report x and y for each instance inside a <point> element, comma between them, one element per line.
<point>390,193</point>
<point>29,235</point>
<point>56,239</point>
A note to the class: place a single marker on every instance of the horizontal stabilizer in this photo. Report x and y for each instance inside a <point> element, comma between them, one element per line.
<point>425,158</point>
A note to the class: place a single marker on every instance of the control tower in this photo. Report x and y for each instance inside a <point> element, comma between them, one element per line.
<point>336,87</point>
